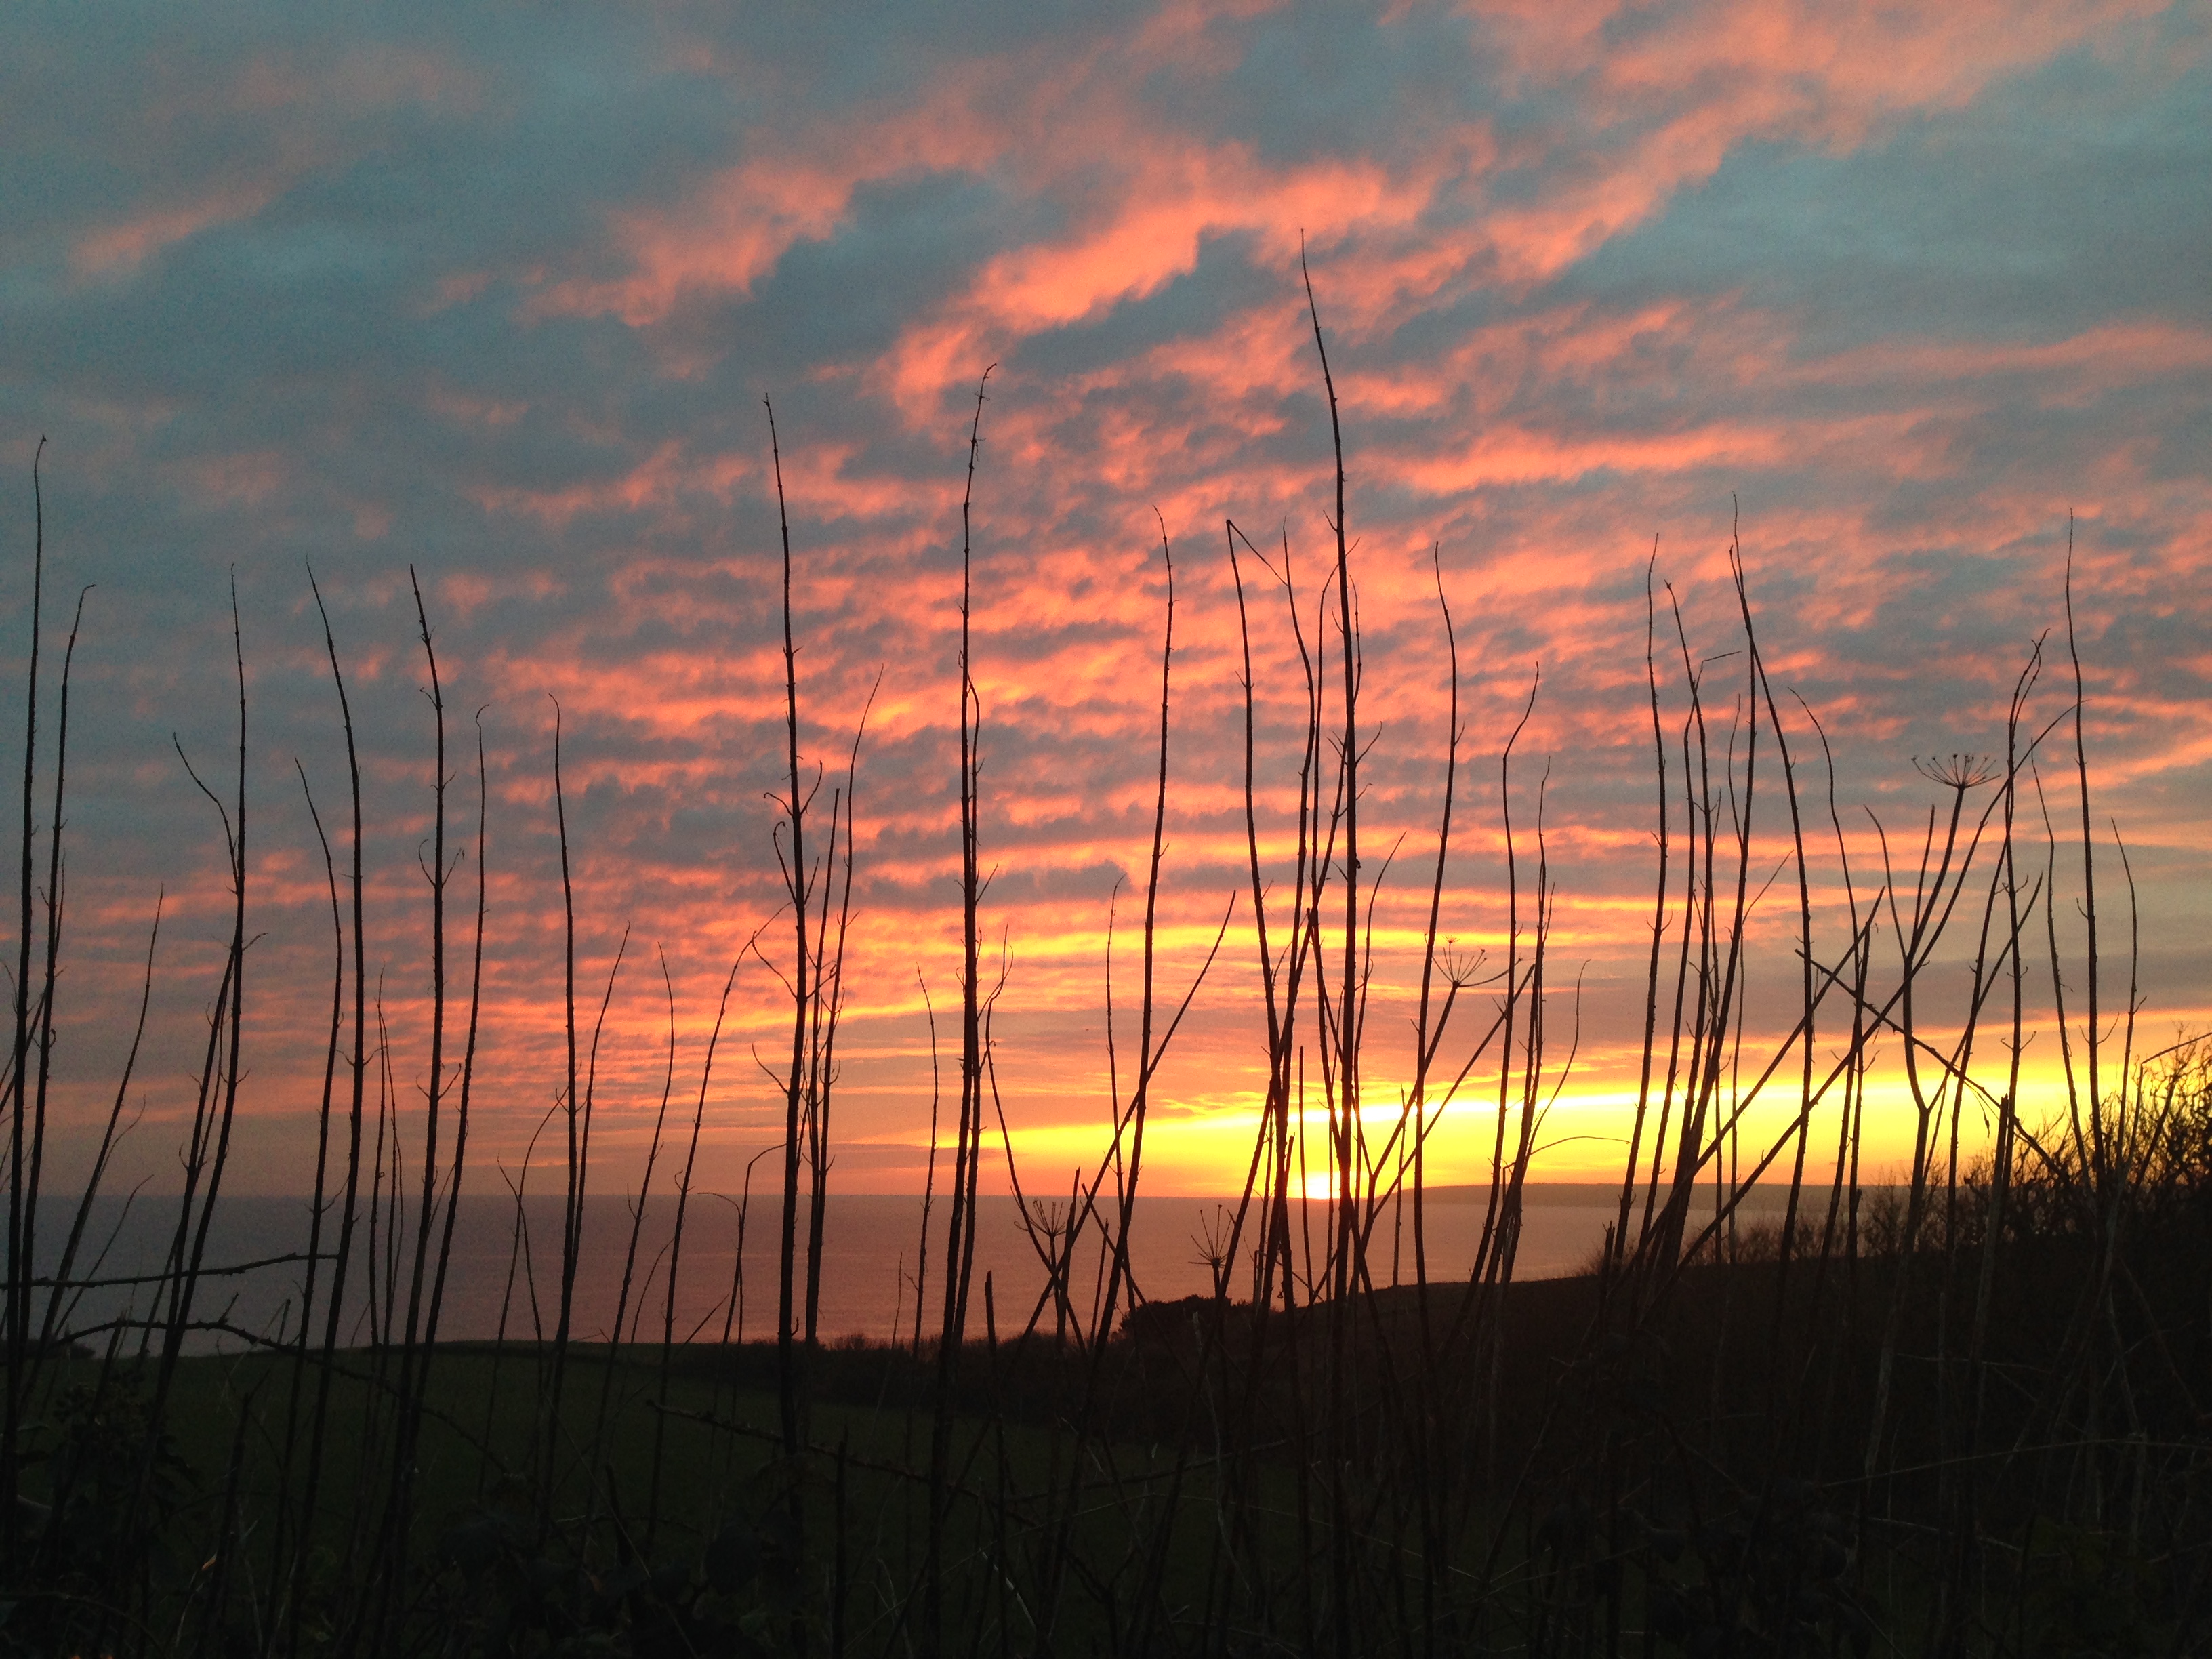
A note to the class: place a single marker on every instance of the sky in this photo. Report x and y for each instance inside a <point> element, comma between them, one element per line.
<point>1904,298</point>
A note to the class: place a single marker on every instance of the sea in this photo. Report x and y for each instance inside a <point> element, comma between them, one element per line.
<point>503,1275</point>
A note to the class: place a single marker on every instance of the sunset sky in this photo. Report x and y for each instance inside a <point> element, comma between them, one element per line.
<point>499,293</point>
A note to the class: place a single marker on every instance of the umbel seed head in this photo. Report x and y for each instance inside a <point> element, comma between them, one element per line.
<point>1956,771</point>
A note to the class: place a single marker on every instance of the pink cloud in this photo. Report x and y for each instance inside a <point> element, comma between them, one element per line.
<point>117,248</point>
<point>1541,435</point>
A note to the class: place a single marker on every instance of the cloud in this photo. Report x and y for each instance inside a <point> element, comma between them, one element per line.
<point>503,303</point>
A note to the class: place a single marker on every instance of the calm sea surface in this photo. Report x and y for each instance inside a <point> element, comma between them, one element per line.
<point>871,1259</point>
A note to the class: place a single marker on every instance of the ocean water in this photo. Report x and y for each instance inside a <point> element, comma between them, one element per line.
<point>872,1258</point>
